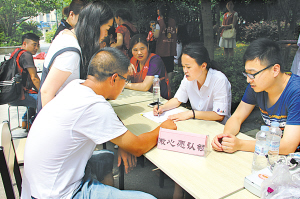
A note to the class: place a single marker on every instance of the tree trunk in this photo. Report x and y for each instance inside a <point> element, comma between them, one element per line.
<point>207,27</point>
<point>218,22</point>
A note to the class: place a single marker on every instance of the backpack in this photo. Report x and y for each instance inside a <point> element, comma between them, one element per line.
<point>47,69</point>
<point>11,79</point>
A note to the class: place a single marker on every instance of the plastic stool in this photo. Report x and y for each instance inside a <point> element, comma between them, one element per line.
<point>9,106</point>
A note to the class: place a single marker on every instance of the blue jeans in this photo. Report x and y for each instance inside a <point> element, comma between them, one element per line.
<point>93,189</point>
<point>98,166</point>
<point>30,102</point>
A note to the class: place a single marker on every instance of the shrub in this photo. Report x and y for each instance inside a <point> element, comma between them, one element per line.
<point>15,40</point>
<point>256,30</point>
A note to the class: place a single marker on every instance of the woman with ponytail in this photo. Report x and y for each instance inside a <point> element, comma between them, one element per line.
<point>166,35</point>
<point>72,13</point>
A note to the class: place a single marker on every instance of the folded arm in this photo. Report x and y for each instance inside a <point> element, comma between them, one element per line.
<point>231,129</point>
<point>143,86</point>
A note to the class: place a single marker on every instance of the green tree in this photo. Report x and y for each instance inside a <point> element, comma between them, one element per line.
<point>14,12</point>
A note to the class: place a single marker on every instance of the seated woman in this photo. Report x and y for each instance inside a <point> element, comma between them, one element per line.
<point>207,89</point>
<point>147,65</point>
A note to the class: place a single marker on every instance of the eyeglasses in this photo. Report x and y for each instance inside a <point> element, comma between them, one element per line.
<point>126,80</point>
<point>252,76</point>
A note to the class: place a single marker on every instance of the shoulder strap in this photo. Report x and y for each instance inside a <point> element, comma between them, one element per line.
<point>131,32</point>
<point>62,51</point>
<point>19,53</point>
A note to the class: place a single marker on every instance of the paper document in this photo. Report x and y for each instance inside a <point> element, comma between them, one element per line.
<point>162,117</point>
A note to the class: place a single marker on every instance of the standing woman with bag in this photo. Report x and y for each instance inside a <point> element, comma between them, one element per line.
<point>93,23</point>
<point>166,35</point>
<point>229,22</point>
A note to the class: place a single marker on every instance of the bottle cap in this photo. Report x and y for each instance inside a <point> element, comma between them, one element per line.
<point>156,76</point>
<point>275,124</point>
<point>264,128</point>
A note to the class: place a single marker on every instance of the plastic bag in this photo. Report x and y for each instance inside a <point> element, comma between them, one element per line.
<point>280,185</point>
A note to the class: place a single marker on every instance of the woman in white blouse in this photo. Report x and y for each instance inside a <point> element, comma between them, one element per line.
<point>207,89</point>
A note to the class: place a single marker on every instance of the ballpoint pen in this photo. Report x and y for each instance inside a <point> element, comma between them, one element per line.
<point>157,106</point>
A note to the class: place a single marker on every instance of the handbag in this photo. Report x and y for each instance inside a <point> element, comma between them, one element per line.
<point>229,33</point>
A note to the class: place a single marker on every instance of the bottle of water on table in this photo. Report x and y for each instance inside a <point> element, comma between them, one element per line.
<point>274,142</point>
<point>260,160</point>
<point>156,89</point>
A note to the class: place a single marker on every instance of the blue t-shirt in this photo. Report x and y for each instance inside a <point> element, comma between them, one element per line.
<point>287,108</point>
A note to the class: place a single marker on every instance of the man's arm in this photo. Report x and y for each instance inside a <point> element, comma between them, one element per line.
<point>138,145</point>
<point>34,77</point>
<point>232,128</point>
<point>290,139</point>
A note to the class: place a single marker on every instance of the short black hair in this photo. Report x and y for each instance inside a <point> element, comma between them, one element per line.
<point>124,14</point>
<point>107,61</point>
<point>266,50</point>
<point>30,36</point>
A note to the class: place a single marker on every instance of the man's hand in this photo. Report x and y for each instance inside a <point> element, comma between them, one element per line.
<point>230,143</point>
<point>217,142</point>
<point>169,124</point>
<point>181,116</point>
<point>128,159</point>
<point>226,142</point>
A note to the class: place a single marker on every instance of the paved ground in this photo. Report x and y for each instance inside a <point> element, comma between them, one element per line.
<point>143,179</point>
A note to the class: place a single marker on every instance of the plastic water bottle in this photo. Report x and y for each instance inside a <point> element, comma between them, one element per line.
<point>156,89</point>
<point>274,142</point>
<point>260,160</point>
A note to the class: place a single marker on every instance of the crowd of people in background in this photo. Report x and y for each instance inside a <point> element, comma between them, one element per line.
<point>95,53</point>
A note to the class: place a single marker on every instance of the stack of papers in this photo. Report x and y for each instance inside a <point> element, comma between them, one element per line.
<point>162,117</point>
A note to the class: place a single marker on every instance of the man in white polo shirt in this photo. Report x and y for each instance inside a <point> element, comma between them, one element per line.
<point>56,155</point>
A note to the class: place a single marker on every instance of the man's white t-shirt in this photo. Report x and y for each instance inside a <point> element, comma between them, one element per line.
<point>62,139</point>
<point>214,95</point>
<point>68,61</point>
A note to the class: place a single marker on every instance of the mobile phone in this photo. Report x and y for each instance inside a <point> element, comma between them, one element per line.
<point>153,104</point>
